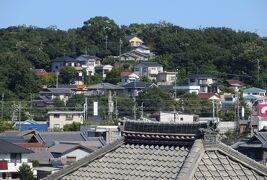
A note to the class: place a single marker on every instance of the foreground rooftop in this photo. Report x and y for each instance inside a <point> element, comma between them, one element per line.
<point>165,151</point>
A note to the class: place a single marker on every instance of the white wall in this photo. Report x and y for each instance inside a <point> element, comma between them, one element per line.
<point>78,153</point>
<point>175,117</point>
<point>62,120</point>
<point>14,167</point>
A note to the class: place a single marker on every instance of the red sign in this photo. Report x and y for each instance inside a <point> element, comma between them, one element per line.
<point>262,110</point>
<point>3,165</point>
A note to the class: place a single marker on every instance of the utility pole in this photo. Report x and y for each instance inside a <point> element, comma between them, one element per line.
<point>258,70</point>
<point>106,37</point>
<point>116,103</point>
<point>120,46</point>
<point>85,109</point>
<point>2,108</point>
<point>213,110</point>
<point>134,100</point>
<point>19,116</point>
<point>142,111</point>
<point>57,79</point>
<point>110,105</point>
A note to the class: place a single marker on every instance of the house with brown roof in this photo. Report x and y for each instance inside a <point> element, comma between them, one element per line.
<point>127,77</point>
<point>153,150</point>
<point>234,83</point>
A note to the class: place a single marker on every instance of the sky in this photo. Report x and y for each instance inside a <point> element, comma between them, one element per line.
<point>244,15</point>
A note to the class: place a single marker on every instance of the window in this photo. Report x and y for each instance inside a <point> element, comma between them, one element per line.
<point>56,126</point>
<point>69,117</point>
<point>181,119</point>
<point>56,115</point>
<point>15,157</point>
<point>70,159</point>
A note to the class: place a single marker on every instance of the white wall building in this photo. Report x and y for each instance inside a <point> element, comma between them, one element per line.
<point>11,158</point>
<point>57,119</point>
<point>178,118</point>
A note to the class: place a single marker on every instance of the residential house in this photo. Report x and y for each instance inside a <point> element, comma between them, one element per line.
<point>255,147</point>
<point>234,83</point>
<point>207,83</point>
<point>148,69</point>
<point>63,61</point>
<point>127,77</point>
<point>69,152</point>
<point>11,158</point>
<point>135,41</point>
<point>40,72</point>
<point>143,49</point>
<point>40,153</point>
<point>58,119</point>
<point>103,70</point>
<point>188,88</point>
<point>133,88</point>
<point>165,77</point>
<point>209,96</point>
<point>153,150</point>
<point>257,92</point>
<point>62,94</point>
<point>177,117</point>
<point>51,138</point>
<point>89,63</point>
<point>228,100</point>
<point>103,88</point>
<point>137,55</point>
<point>109,133</point>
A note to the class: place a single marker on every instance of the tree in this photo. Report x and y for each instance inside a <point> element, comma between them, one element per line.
<point>67,75</point>
<point>72,127</point>
<point>25,172</point>
<point>154,99</point>
<point>113,76</point>
<point>18,75</point>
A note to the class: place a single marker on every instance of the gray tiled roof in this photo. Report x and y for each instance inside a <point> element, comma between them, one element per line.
<point>49,138</point>
<point>164,151</point>
<point>42,155</point>
<point>216,165</point>
<point>7,148</point>
<point>131,161</point>
<point>104,86</point>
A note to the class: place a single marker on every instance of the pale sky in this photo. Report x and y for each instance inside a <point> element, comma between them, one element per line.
<point>245,15</point>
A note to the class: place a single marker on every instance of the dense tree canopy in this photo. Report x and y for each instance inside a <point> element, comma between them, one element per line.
<point>221,51</point>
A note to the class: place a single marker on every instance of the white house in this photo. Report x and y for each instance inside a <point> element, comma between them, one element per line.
<point>11,158</point>
<point>57,119</point>
<point>148,69</point>
<point>207,83</point>
<point>188,88</point>
<point>176,117</point>
<point>166,77</point>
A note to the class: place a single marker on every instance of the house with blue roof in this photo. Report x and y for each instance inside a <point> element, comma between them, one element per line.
<point>254,92</point>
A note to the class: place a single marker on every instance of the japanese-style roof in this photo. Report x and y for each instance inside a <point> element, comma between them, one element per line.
<point>87,57</point>
<point>137,85</point>
<point>125,73</point>
<point>150,64</point>
<point>64,59</point>
<point>49,138</point>
<point>254,90</point>
<point>202,76</point>
<point>7,148</point>
<point>153,150</point>
<point>40,72</point>
<point>60,90</point>
<point>105,86</point>
<point>234,82</point>
<point>207,95</point>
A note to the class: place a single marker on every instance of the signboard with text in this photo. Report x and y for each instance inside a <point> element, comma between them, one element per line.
<point>262,110</point>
